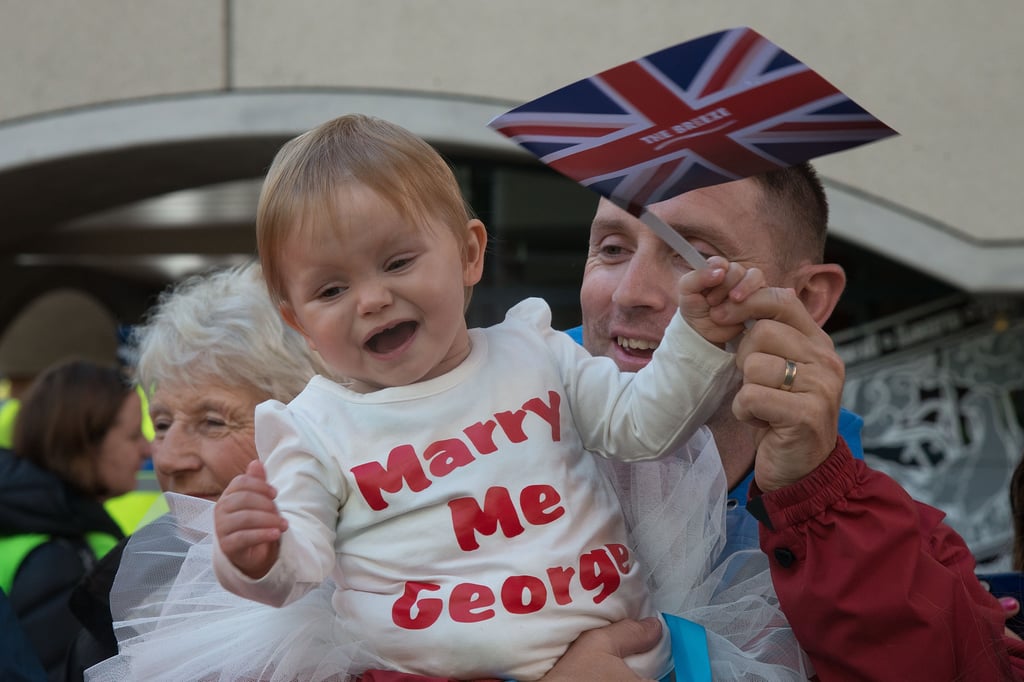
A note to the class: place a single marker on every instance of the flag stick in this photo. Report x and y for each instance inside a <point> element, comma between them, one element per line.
<point>667,234</point>
<point>674,239</point>
<point>684,248</point>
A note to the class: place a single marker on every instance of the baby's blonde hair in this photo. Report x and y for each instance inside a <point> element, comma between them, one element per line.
<point>301,187</point>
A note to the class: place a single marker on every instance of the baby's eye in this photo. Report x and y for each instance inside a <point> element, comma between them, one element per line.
<point>331,292</point>
<point>397,264</point>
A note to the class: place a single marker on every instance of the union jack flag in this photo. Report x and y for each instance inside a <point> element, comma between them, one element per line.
<point>718,108</point>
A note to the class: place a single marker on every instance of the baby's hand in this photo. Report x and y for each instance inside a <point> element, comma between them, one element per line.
<point>247,522</point>
<point>719,284</point>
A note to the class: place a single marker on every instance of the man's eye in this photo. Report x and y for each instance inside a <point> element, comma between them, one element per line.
<point>612,250</point>
<point>681,261</point>
<point>686,265</point>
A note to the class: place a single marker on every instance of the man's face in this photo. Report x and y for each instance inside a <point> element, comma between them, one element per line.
<point>629,285</point>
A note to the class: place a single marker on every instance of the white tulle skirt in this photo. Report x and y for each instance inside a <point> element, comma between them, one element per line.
<point>173,621</point>
<point>679,540</point>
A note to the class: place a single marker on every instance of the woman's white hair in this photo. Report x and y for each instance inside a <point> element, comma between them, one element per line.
<point>222,328</point>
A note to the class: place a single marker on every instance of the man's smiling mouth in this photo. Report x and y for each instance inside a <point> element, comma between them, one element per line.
<point>636,344</point>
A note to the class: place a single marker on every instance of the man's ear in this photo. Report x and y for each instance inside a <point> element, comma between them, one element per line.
<point>288,315</point>
<point>473,252</point>
<point>819,287</point>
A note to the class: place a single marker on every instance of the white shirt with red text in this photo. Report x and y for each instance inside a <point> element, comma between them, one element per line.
<point>470,532</point>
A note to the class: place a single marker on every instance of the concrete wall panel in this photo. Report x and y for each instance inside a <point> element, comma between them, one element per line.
<point>946,74</point>
<point>59,54</point>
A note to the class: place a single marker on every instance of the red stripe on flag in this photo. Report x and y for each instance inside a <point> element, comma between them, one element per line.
<point>648,96</point>
<point>724,69</point>
<point>655,181</point>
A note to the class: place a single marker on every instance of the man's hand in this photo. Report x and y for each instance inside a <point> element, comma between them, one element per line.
<point>795,405</point>
<point>597,654</point>
<point>247,522</point>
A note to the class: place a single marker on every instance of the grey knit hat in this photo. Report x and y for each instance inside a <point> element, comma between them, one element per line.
<point>59,325</point>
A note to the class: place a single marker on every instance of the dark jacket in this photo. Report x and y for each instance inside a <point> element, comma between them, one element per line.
<point>18,663</point>
<point>33,500</point>
<point>90,602</point>
<point>91,599</point>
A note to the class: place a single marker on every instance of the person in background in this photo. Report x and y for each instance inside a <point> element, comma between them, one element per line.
<point>60,325</point>
<point>853,558</point>
<point>77,442</point>
<point>1017,512</point>
<point>1008,585</point>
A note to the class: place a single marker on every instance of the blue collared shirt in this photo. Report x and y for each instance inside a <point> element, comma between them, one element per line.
<point>741,527</point>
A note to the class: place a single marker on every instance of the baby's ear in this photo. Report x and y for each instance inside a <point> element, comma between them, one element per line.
<point>473,252</point>
<point>288,315</point>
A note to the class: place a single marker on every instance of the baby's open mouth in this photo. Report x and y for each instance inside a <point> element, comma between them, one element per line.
<point>390,339</point>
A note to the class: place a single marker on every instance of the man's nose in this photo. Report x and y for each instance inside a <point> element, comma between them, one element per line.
<point>645,283</point>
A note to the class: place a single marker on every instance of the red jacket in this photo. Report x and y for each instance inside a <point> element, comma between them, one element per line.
<point>875,586</point>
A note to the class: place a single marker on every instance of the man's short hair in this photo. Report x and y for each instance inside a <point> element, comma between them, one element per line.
<point>795,198</point>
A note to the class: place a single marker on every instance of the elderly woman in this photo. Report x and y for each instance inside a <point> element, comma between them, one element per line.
<point>210,350</point>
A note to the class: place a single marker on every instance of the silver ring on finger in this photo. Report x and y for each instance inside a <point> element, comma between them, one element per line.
<point>789,377</point>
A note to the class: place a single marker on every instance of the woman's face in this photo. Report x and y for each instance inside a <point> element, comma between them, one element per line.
<point>204,436</point>
<point>123,450</point>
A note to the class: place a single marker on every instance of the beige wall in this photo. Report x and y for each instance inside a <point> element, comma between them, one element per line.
<point>58,54</point>
<point>947,74</point>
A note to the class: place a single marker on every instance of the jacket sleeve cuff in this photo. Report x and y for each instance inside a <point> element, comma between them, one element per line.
<point>808,497</point>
